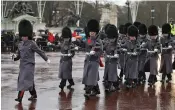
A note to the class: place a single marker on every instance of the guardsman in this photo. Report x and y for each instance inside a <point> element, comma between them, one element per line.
<point>154,48</point>
<point>94,49</point>
<point>142,39</point>
<point>131,47</point>
<point>111,59</point>
<point>166,56</point>
<point>26,55</point>
<point>67,52</point>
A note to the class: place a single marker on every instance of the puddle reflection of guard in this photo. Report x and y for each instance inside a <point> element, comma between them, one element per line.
<point>26,55</point>
<point>65,100</point>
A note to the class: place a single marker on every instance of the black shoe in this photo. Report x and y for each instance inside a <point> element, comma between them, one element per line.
<point>18,100</point>
<point>69,86</point>
<point>168,80</point>
<point>61,87</point>
<point>33,97</point>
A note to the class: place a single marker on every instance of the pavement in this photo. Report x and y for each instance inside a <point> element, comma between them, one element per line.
<point>50,97</point>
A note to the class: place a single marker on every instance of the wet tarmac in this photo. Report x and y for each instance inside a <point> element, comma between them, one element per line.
<point>50,97</point>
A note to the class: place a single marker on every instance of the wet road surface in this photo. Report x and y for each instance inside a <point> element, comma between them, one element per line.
<point>50,97</point>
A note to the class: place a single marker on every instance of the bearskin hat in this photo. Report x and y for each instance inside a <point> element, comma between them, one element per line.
<point>112,32</point>
<point>152,30</point>
<point>106,27</point>
<point>132,31</point>
<point>126,26</point>
<point>166,28</point>
<point>122,29</point>
<point>142,29</point>
<point>93,26</point>
<point>25,28</point>
<point>136,24</point>
<point>86,32</point>
<point>66,32</point>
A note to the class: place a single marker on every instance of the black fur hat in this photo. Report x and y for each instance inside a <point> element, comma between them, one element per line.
<point>122,29</point>
<point>25,28</point>
<point>86,32</point>
<point>142,29</point>
<point>166,28</point>
<point>112,31</point>
<point>66,32</point>
<point>152,30</point>
<point>136,23</point>
<point>106,27</point>
<point>132,31</point>
<point>126,26</point>
<point>93,26</point>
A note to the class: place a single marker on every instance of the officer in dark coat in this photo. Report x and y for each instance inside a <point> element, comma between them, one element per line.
<point>67,52</point>
<point>111,59</point>
<point>154,48</point>
<point>94,49</point>
<point>132,46</point>
<point>26,54</point>
<point>142,39</point>
<point>166,56</point>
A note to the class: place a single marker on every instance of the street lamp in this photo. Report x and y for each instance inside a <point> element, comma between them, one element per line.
<point>127,3</point>
<point>168,5</point>
<point>55,13</point>
<point>152,14</point>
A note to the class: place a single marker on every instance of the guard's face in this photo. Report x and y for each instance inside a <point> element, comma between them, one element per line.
<point>132,38</point>
<point>24,38</point>
<point>153,37</point>
<point>165,35</point>
<point>92,35</point>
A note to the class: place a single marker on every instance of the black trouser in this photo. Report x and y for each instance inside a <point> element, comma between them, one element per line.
<point>142,75</point>
<point>169,76</point>
<point>110,83</point>
<point>121,73</point>
<point>63,82</point>
<point>32,92</point>
<point>92,88</point>
<point>152,79</point>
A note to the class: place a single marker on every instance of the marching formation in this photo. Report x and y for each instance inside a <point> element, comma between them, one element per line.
<point>134,49</point>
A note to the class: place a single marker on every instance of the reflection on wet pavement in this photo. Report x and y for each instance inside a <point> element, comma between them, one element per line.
<point>50,97</point>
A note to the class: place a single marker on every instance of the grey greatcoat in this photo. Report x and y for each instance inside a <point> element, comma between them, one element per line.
<point>65,68</point>
<point>110,72</point>
<point>122,56</point>
<point>26,54</point>
<point>142,53</point>
<point>91,63</point>
<point>166,56</point>
<point>153,57</point>
<point>131,68</point>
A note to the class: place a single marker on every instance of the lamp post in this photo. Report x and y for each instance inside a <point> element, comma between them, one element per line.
<point>168,5</point>
<point>55,13</point>
<point>127,3</point>
<point>152,14</point>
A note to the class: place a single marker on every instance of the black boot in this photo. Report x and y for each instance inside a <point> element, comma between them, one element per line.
<point>33,97</point>
<point>71,83</point>
<point>33,94</point>
<point>62,84</point>
<point>169,76</point>
<point>116,86</point>
<point>20,96</point>
<point>163,77</point>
